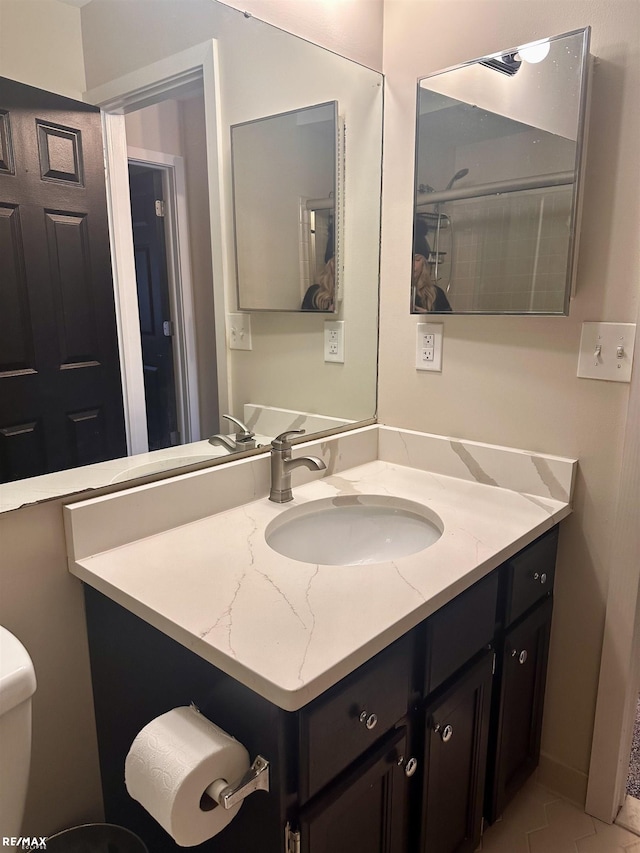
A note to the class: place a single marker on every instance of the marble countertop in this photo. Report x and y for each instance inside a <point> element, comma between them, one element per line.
<point>290,630</point>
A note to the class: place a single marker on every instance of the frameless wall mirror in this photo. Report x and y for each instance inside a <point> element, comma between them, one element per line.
<point>170,87</point>
<point>499,154</point>
<point>285,212</point>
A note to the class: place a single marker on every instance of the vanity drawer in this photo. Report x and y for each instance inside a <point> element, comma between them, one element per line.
<point>459,630</point>
<point>529,575</point>
<point>343,723</point>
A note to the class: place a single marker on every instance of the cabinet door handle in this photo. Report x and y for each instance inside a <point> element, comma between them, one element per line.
<point>540,577</point>
<point>445,733</point>
<point>370,720</point>
<point>410,767</point>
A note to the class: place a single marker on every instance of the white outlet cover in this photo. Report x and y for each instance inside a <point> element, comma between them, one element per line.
<point>599,357</point>
<point>334,341</point>
<point>429,346</point>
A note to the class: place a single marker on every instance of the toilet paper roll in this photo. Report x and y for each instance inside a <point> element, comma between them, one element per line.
<point>172,761</point>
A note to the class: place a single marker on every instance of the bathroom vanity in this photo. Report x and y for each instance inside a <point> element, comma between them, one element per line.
<point>397,703</point>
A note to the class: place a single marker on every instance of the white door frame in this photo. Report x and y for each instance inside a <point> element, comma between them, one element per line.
<point>194,67</point>
<point>180,285</point>
<point>620,663</point>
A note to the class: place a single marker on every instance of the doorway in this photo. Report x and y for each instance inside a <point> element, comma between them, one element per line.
<point>157,325</point>
<point>167,159</point>
<point>199,341</point>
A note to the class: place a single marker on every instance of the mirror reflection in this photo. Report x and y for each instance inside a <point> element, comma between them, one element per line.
<point>170,88</point>
<point>284,192</point>
<point>498,161</point>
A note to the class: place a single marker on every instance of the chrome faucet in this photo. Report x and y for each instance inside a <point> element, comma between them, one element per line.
<point>282,464</point>
<point>243,439</point>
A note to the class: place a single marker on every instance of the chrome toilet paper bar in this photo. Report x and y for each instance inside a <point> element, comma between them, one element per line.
<point>255,779</point>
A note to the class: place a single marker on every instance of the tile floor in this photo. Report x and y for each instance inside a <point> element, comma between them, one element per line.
<point>537,821</point>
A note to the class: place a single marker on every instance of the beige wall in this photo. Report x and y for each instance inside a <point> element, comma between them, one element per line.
<point>177,127</point>
<point>510,380</point>
<point>156,128</point>
<point>42,604</point>
<point>352,29</point>
<point>201,268</point>
<point>41,45</point>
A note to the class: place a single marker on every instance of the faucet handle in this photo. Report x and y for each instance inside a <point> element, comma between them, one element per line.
<point>281,442</point>
<point>243,432</point>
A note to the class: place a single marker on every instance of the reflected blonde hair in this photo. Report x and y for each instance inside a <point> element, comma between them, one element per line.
<point>326,281</point>
<point>424,288</point>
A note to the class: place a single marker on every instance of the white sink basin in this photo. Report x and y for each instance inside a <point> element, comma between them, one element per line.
<point>353,530</point>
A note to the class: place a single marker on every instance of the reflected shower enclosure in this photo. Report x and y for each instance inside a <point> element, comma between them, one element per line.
<point>284,197</point>
<point>498,159</point>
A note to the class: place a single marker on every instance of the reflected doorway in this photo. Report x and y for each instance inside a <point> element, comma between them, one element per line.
<point>154,305</point>
<point>167,160</point>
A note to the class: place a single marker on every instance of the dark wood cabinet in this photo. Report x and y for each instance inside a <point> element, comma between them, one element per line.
<point>517,719</point>
<point>366,810</point>
<point>407,753</point>
<point>455,756</point>
<point>348,719</point>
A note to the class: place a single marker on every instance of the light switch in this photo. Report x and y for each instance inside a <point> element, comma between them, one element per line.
<point>429,346</point>
<point>239,331</point>
<point>606,351</point>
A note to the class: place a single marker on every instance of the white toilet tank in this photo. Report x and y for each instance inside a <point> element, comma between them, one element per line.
<point>17,686</point>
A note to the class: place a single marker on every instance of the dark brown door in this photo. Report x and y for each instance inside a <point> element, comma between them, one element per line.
<point>364,812</point>
<point>521,682</point>
<point>60,386</point>
<point>457,728</point>
<point>156,328</point>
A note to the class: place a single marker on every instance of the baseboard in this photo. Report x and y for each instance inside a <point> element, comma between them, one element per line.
<point>569,783</point>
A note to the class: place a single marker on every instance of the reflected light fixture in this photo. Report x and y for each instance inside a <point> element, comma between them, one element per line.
<point>535,52</point>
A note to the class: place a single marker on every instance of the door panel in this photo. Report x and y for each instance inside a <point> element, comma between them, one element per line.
<point>364,812</point>
<point>15,327</point>
<point>519,707</point>
<point>60,386</point>
<point>154,308</point>
<point>457,724</point>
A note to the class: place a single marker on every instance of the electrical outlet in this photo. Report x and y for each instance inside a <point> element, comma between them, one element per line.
<point>429,346</point>
<point>334,340</point>
<point>239,330</point>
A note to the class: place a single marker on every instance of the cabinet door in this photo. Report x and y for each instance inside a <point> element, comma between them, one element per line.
<point>457,727</point>
<point>517,722</point>
<point>365,811</point>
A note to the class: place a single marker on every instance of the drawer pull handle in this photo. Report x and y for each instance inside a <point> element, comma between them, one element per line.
<point>410,767</point>
<point>370,720</point>
<point>445,733</point>
<point>540,577</point>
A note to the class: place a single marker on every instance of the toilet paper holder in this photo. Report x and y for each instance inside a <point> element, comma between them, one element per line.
<point>255,779</point>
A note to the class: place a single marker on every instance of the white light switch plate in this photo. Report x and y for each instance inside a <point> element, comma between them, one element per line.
<point>429,346</point>
<point>239,331</point>
<point>606,351</point>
